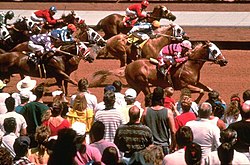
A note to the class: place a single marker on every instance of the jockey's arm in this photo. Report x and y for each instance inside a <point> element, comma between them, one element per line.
<point>50,19</point>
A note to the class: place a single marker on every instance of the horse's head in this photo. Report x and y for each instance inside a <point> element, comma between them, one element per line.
<point>161,11</point>
<point>84,53</point>
<point>178,32</point>
<point>70,18</point>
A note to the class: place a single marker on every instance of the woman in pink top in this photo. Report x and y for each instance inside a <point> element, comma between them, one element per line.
<point>56,122</point>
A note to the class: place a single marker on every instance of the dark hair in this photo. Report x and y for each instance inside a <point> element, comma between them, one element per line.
<point>193,154</point>
<point>110,156</point>
<point>42,134</point>
<point>97,130</point>
<point>134,113</point>
<point>246,95</point>
<point>185,92</point>
<point>83,84</point>
<point>57,108</point>
<point>39,90</point>
<point>109,99</point>
<point>118,85</point>
<point>228,136</point>
<point>225,153</point>
<point>213,95</point>
<point>5,156</point>
<point>21,146</point>
<point>184,136</point>
<point>10,104</point>
<point>158,95</point>
<point>9,124</point>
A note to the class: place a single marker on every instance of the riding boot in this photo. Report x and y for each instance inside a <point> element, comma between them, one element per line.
<point>162,70</point>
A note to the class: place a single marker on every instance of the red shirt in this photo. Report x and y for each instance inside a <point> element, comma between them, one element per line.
<point>168,101</point>
<point>138,9</point>
<point>46,15</point>
<point>183,118</point>
<point>54,130</point>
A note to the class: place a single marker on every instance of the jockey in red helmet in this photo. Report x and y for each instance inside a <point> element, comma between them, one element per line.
<point>46,16</point>
<point>137,11</point>
<point>172,54</point>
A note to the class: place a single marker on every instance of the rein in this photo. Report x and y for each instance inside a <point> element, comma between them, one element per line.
<point>164,35</point>
<point>202,60</point>
<point>15,29</point>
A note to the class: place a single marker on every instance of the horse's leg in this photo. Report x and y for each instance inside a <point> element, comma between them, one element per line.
<point>65,88</point>
<point>66,77</point>
<point>199,88</point>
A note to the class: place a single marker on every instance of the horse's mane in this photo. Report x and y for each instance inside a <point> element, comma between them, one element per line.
<point>163,29</point>
<point>197,45</point>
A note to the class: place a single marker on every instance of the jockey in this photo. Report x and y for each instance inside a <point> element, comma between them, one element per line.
<point>65,33</point>
<point>172,54</point>
<point>43,16</point>
<point>4,16</point>
<point>136,11</point>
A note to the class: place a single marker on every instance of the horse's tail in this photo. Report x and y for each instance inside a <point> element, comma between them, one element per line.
<point>105,77</point>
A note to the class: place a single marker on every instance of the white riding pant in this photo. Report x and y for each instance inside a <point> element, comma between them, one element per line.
<point>35,48</point>
<point>37,19</point>
<point>131,14</point>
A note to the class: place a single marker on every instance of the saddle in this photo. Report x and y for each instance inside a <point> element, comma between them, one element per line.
<point>136,40</point>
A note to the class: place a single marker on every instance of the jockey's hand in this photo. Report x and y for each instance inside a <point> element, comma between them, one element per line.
<point>148,15</point>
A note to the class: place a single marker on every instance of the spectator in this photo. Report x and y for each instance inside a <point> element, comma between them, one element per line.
<point>24,98</point>
<point>133,136</point>
<point>186,94</point>
<point>59,96</point>
<point>55,121</point>
<point>119,97</point>
<point>33,113</point>
<point>65,149</point>
<point>161,122</point>
<point>100,105</point>
<point>96,137</point>
<point>21,147</point>
<point>110,116</point>
<point>186,115</point>
<point>243,130</point>
<point>39,154</point>
<point>80,112</point>
<point>90,98</point>
<point>169,102</point>
<point>9,137</point>
<point>217,103</point>
<point>111,157</point>
<point>225,153</point>
<point>3,96</point>
<point>184,136</point>
<point>21,124</point>
<point>205,133</point>
<point>5,156</point>
<point>228,138</point>
<point>85,153</point>
<point>130,98</point>
<point>246,95</point>
<point>232,113</point>
<point>193,154</point>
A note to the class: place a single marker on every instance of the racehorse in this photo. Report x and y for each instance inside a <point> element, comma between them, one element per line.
<point>58,66</point>
<point>113,24</point>
<point>141,73</point>
<point>119,47</point>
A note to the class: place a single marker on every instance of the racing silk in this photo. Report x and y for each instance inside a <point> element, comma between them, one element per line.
<point>63,34</point>
<point>2,19</point>
<point>46,15</point>
<point>138,9</point>
<point>143,27</point>
<point>43,40</point>
<point>172,50</point>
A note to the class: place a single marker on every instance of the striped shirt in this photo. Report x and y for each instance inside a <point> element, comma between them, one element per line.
<point>111,119</point>
<point>63,34</point>
<point>172,50</point>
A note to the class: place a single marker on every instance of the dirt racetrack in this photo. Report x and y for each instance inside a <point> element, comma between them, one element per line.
<point>233,78</point>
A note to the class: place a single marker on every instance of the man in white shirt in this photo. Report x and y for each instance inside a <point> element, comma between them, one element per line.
<point>205,133</point>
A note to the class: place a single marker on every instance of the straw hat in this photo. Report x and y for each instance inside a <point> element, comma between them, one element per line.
<point>26,84</point>
<point>2,85</point>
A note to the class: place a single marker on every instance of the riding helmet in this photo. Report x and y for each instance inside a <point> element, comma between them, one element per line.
<point>53,9</point>
<point>186,44</point>
<point>156,23</point>
<point>9,14</point>
<point>72,27</point>
<point>145,3</point>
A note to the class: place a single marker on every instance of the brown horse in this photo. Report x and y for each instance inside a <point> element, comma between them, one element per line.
<point>58,66</point>
<point>114,24</point>
<point>141,73</point>
<point>119,47</point>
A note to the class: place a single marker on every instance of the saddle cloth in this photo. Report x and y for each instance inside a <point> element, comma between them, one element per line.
<point>133,38</point>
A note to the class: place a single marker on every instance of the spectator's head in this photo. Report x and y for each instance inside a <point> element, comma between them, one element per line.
<point>153,154</point>
<point>24,96</point>
<point>184,136</point>
<point>10,104</point>
<point>83,85</point>
<point>130,96</point>
<point>109,99</point>
<point>2,85</point>
<point>185,92</point>
<point>235,97</point>
<point>39,91</point>
<point>134,114</point>
<point>186,104</point>
<point>110,156</point>
<point>228,136</point>
<point>80,102</point>
<point>5,156</point>
<point>246,95</point>
<point>9,124</point>
<point>193,154</point>
<point>118,85</point>
<point>56,109</point>
<point>225,153</point>
<point>205,110</point>
<point>245,111</point>
<point>109,88</point>
<point>233,110</point>
<point>213,95</point>
<point>21,146</point>
<point>169,91</point>
<point>157,98</point>
<point>42,134</point>
<point>26,84</point>
<point>97,131</point>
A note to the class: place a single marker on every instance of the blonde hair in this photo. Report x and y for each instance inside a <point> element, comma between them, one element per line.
<point>80,102</point>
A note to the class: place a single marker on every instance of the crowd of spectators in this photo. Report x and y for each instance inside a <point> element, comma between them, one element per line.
<point>120,130</point>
